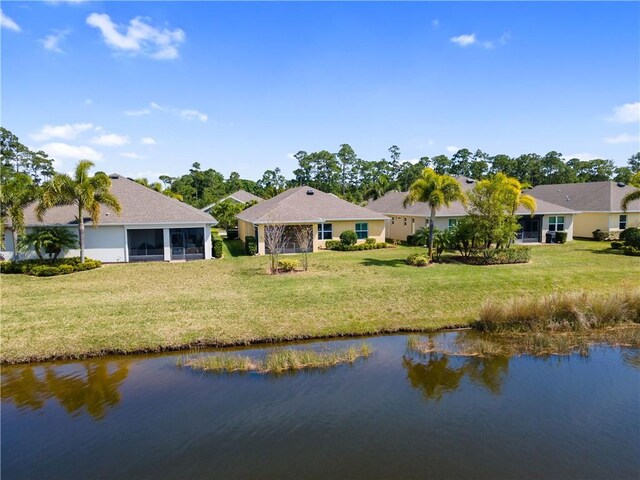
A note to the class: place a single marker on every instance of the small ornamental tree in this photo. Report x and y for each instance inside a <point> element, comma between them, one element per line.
<point>274,243</point>
<point>348,238</point>
<point>304,238</point>
<point>49,240</point>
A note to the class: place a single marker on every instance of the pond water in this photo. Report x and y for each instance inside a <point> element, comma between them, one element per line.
<point>396,414</point>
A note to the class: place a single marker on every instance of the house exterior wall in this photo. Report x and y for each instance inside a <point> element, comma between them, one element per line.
<point>401,226</point>
<point>108,243</point>
<point>586,223</point>
<point>568,225</point>
<point>376,230</point>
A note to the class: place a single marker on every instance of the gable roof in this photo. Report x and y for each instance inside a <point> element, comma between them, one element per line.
<point>297,205</point>
<point>587,197</point>
<point>392,204</point>
<point>241,196</point>
<point>140,205</point>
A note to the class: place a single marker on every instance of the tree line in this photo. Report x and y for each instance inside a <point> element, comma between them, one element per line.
<point>347,175</point>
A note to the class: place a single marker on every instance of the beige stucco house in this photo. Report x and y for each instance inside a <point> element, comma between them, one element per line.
<point>597,202</point>
<point>404,221</point>
<point>327,214</point>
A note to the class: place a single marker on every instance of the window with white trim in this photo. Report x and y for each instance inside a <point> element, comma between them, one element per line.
<point>453,222</point>
<point>405,221</point>
<point>556,224</point>
<point>393,220</point>
<point>362,231</point>
<point>325,231</point>
<point>622,223</point>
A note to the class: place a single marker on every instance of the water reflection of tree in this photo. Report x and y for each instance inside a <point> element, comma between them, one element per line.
<point>95,391</point>
<point>437,376</point>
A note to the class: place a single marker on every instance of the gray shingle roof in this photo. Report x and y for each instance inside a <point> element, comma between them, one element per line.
<point>392,204</point>
<point>297,206</point>
<point>140,205</point>
<point>241,196</point>
<point>586,197</point>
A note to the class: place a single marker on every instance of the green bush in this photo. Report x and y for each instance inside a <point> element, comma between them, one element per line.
<point>332,244</point>
<point>288,265</point>
<point>370,241</point>
<point>43,268</point>
<point>632,237</point>
<point>381,245</point>
<point>503,256</point>
<point>599,235</point>
<point>413,241</point>
<point>348,237</point>
<point>250,245</point>
<point>417,259</point>
<point>628,231</point>
<point>217,247</point>
<point>561,237</point>
<point>631,251</point>
<point>617,245</point>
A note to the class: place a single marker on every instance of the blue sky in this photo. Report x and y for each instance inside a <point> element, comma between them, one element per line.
<point>146,88</point>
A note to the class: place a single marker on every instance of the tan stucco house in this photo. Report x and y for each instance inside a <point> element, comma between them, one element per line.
<point>328,215</point>
<point>151,227</point>
<point>404,221</point>
<point>597,202</point>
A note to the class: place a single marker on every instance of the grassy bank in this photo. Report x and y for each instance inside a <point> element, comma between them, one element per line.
<point>155,306</point>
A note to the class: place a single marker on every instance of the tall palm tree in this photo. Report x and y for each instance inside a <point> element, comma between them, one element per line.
<point>83,191</point>
<point>436,191</point>
<point>378,188</point>
<point>16,193</point>
<point>632,196</point>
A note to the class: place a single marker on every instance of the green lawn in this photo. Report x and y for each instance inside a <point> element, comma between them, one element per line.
<point>154,306</point>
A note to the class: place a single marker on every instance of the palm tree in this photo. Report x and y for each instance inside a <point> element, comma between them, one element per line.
<point>436,191</point>
<point>83,191</point>
<point>16,193</point>
<point>513,188</point>
<point>632,196</point>
<point>51,241</point>
<point>378,188</point>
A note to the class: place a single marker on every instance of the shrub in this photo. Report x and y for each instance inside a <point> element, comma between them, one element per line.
<point>502,256</point>
<point>617,245</point>
<point>348,237</point>
<point>288,265</point>
<point>250,245</point>
<point>632,237</point>
<point>370,241</point>
<point>45,271</point>
<point>65,269</point>
<point>412,240</point>
<point>417,259</point>
<point>631,251</point>
<point>381,245</point>
<point>217,247</point>
<point>332,244</point>
<point>561,237</point>
<point>599,235</point>
<point>40,268</point>
<point>628,231</point>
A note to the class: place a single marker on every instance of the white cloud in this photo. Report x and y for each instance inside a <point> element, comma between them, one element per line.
<point>111,140</point>
<point>73,152</point>
<point>193,115</point>
<point>435,23</point>
<point>412,161</point>
<point>430,142</point>
<point>148,141</point>
<point>156,106</point>
<point>584,156</point>
<point>131,155</point>
<point>291,156</point>
<point>7,22</point>
<point>622,138</point>
<point>627,113</point>
<point>139,37</point>
<point>88,102</point>
<point>452,149</point>
<point>137,113</point>
<point>52,42</point>
<point>464,40</point>
<point>65,132</point>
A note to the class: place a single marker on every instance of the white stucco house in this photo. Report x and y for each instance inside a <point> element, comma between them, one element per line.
<point>151,227</point>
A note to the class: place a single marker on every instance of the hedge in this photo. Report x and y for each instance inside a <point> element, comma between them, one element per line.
<point>561,237</point>
<point>217,247</point>
<point>250,245</point>
<point>39,268</point>
<point>335,245</point>
<point>599,235</point>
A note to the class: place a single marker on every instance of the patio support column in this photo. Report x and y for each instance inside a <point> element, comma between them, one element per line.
<point>207,242</point>
<point>166,239</point>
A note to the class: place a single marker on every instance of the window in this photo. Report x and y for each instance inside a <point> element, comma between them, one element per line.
<point>556,224</point>
<point>325,231</point>
<point>393,220</point>
<point>362,230</point>
<point>453,222</point>
<point>405,221</point>
<point>622,224</point>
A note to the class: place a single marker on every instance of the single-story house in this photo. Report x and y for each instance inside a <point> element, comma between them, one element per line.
<point>597,202</point>
<point>152,226</point>
<point>241,196</point>
<point>328,215</point>
<point>404,221</point>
